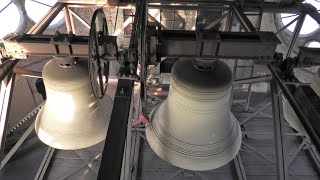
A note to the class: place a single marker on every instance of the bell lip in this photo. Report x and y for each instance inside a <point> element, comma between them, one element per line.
<point>67,146</point>
<point>74,145</point>
<point>191,162</point>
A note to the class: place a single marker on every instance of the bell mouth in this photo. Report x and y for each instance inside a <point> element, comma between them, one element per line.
<point>193,160</point>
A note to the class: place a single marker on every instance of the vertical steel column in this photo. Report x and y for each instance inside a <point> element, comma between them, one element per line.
<point>300,114</point>
<point>5,103</point>
<point>296,33</point>
<point>69,20</point>
<point>125,171</point>
<point>111,162</point>
<point>229,21</point>
<point>279,135</point>
<point>143,63</point>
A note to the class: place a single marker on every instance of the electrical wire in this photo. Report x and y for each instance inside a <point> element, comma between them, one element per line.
<point>5,7</point>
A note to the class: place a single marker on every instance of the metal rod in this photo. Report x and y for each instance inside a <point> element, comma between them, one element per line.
<point>296,152</point>
<point>80,19</point>
<point>76,170</point>
<point>143,62</point>
<point>278,123</point>
<point>286,26</point>
<point>296,33</point>
<point>255,113</point>
<point>5,105</point>
<point>258,153</point>
<point>16,146</point>
<point>69,20</point>
<point>250,80</point>
<point>44,164</point>
<point>314,154</point>
<point>241,174</point>
<point>250,87</point>
<point>175,174</point>
<point>5,7</point>
<point>85,159</point>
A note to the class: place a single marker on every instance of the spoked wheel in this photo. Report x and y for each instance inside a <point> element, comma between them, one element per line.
<point>98,67</point>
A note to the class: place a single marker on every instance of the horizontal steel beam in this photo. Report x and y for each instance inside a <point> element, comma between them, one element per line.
<point>225,45</point>
<point>23,45</point>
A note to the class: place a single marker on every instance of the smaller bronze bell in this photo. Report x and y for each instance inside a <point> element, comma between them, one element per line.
<point>72,117</point>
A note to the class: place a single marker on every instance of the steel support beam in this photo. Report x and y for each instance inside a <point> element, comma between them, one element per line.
<point>279,136</point>
<point>26,72</point>
<point>6,94</point>
<point>39,27</point>
<point>295,34</point>
<point>143,53</point>
<point>250,80</point>
<point>44,164</point>
<point>69,20</point>
<point>111,162</point>
<point>241,174</point>
<point>21,46</point>
<point>7,67</point>
<point>293,102</point>
<point>225,45</point>
<point>217,21</point>
<point>80,19</point>
<point>83,166</point>
<point>314,154</point>
<point>286,26</point>
<point>126,166</point>
<point>254,114</point>
<point>243,19</point>
<point>17,145</point>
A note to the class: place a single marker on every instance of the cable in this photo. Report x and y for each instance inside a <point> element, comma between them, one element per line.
<point>5,7</point>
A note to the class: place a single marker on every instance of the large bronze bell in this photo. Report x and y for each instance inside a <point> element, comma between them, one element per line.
<point>72,117</point>
<point>194,128</point>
